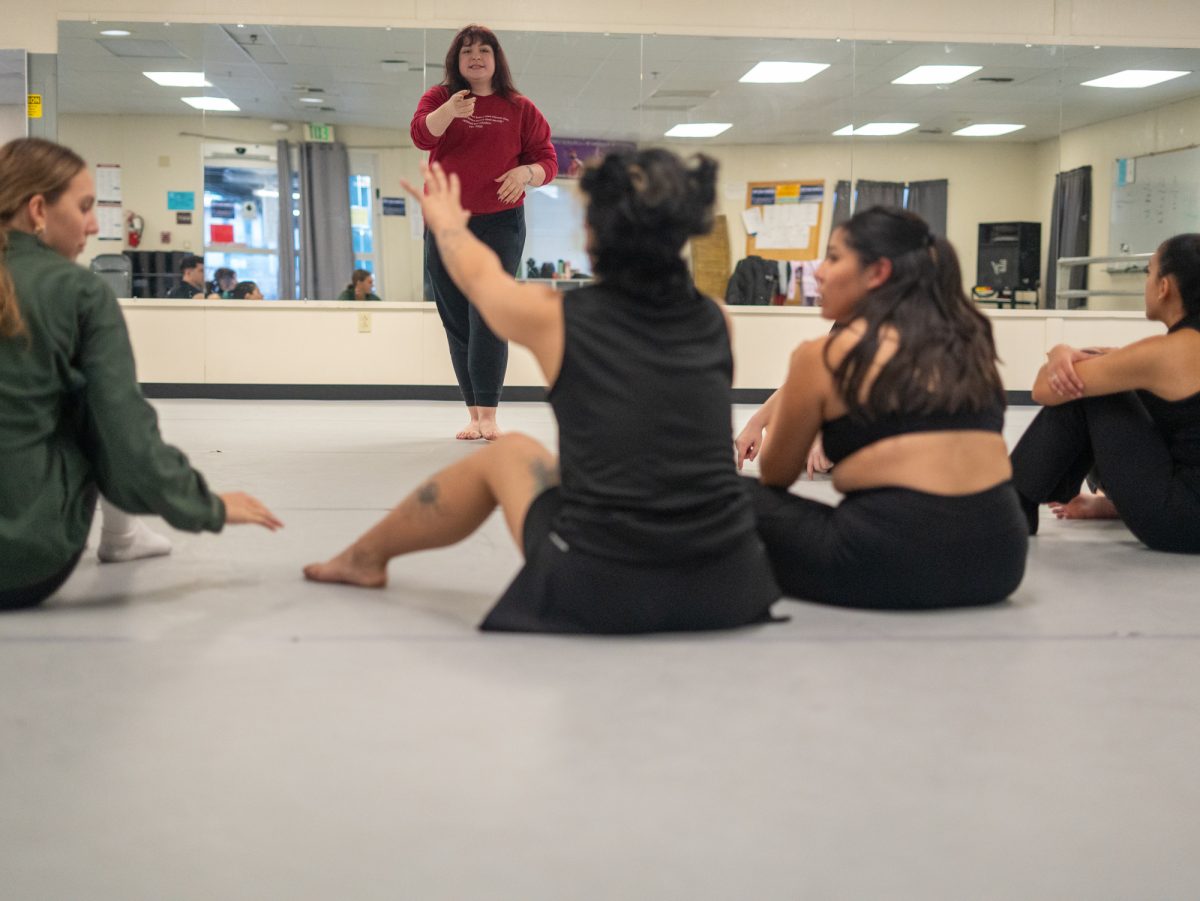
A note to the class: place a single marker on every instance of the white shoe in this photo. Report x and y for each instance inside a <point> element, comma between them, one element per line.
<point>138,542</point>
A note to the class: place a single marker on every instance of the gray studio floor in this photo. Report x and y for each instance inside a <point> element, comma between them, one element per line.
<point>209,726</point>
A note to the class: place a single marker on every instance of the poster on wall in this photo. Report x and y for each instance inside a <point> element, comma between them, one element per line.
<point>108,183</point>
<point>575,153</point>
<point>110,220</point>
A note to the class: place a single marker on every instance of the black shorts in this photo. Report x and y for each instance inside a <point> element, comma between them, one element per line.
<point>562,589</point>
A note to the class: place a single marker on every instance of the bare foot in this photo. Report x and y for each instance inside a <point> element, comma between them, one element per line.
<point>1086,506</point>
<point>351,567</point>
<point>489,429</point>
<point>471,433</point>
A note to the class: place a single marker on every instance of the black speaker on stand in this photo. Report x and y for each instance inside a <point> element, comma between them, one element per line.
<point>1009,260</point>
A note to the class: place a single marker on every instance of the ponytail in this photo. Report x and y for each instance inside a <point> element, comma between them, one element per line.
<point>12,324</point>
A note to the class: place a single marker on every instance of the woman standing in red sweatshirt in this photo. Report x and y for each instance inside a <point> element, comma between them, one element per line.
<point>477,126</point>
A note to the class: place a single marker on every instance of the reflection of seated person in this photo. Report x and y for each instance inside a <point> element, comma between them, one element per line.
<point>575,167</point>
<point>246,291</point>
<point>191,270</point>
<point>222,285</point>
<point>361,287</point>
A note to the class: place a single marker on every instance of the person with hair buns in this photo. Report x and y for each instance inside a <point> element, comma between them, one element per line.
<point>73,422</point>
<point>480,128</point>
<point>1130,415</point>
<point>621,533</point>
<point>909,404</point>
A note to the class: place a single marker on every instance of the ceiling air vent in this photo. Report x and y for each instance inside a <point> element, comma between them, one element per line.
<point>995,79</point>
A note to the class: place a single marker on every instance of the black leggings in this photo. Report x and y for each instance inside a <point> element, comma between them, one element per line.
<point>894,548</point>
<point>1116,436</point>
<point>480,359</point>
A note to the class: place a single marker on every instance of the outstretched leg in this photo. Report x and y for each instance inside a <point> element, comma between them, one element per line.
<point>448,507</point>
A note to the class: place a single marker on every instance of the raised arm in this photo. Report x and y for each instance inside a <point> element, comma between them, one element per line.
<point>528,314</point>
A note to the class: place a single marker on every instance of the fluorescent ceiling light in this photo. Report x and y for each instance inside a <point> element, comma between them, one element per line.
<point>312,100</point>
<point>264,192</point>
<point>986,130</point>
<point>1134,78</point>
<point>877,129</point>
<point>212,104</point>
<point>698,130</point>
<point>935,74</point>
<point>116,33</point>
<point>179,79</point>
<point>782,73</point>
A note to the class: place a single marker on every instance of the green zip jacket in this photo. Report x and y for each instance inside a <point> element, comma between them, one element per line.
<point>72,418</point>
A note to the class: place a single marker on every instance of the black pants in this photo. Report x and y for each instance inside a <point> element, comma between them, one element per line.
<point>894,548</point>
<point>32,595</point>
<point>1115,435</point>
<point>479,357</point>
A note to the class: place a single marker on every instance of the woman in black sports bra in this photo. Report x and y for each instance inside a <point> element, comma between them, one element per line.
<point>1131,415</point>
<point>910,406</point>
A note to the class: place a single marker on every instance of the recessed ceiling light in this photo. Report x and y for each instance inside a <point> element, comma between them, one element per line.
<point>212,104</point>
<point>179,79</point>
<point>698,130</point>
<point>312,100</point>
<point>116,33</point>
<point>877,129</point>
<point>935,74</point>
<point>1134,78</point>
<point>782,73</point>
<point>988,130</point>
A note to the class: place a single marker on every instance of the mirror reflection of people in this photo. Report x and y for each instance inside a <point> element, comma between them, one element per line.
<point>478,126</point>
<point>222,285</point>
<point>1130,414</point>
<point>638,535</point>
<point>908,400</point>
<point>191,285</point>
<point>73,421</point>
<point>246,291</point>
<point>575,165</point>
<point>361,287</point>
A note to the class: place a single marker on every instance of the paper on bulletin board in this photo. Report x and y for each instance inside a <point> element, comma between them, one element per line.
<point>108,183</point>
<point>752,220</point>
<point>784,225</point>
<point>110,220</point>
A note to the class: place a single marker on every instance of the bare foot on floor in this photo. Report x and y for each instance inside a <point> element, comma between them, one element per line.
<point>351,568</point>
<point>1086,506</point>
<point>471,432</point>
<point>489,430</point>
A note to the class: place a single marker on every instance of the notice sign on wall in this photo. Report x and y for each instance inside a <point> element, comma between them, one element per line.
<point>33,107</point>
<point>392,206</point>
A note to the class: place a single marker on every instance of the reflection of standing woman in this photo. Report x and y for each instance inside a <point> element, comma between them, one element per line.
<point>477,126</point>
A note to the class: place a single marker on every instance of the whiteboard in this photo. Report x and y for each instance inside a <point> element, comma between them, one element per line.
<point>1161,200</point>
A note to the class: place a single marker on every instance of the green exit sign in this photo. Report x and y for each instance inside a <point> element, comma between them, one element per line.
<point>318,132</point>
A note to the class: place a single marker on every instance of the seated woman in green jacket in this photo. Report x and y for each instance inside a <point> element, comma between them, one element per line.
<point>73,422</point>
<point>361,287</point>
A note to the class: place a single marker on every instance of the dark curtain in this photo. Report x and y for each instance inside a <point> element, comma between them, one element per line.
<point>841,204</point>
<point>878,193</point>
<point>928,200</point>
<point>326,248</point>
<point>287,244</point>
<point>1070,231</point>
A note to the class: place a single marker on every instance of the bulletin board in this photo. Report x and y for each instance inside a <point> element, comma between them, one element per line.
<point>787,216</point>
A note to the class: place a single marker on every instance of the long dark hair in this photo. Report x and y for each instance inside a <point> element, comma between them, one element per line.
<point>502,81</point>
<point>1179,258</point>
<point>642,207</point>
<point>946,358</point>
<point>28,167</point>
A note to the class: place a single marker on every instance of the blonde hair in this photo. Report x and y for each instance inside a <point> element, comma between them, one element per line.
<point>28,167</point>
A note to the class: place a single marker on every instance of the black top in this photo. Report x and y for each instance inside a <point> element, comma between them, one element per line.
<point>843,436</point>
<point>643,402</point>
<point>1179,420</point>
<point>184,291</point>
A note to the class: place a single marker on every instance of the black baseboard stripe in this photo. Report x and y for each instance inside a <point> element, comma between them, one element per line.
<point>515,394</point>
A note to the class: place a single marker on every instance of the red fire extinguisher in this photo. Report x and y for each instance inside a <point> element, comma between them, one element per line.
<point>134,226</point>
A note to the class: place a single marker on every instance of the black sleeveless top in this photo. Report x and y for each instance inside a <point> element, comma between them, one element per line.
<point>1179,420</point>
<point>843,436</point>
<point>643,403</point>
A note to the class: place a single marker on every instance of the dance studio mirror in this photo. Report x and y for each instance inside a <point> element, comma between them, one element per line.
<point>825,137</point>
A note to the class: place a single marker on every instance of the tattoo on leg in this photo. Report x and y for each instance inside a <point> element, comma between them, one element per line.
<point>427,495</point>
<point>544,475</point>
